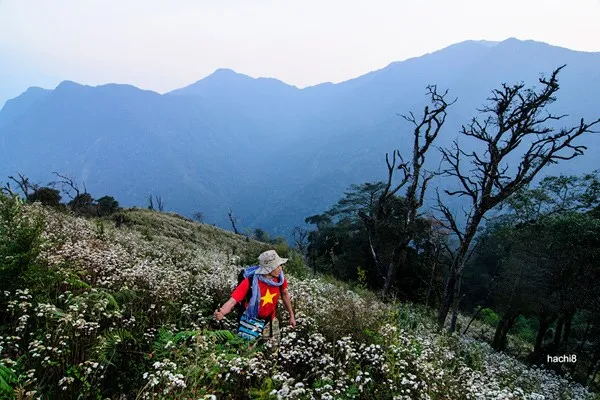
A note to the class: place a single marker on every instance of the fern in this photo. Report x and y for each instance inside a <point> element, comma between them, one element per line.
<point>76,283</point>
<point>264,392</point>
<point>102,294</point>
<point>167,339</point>
<point>164,336</point>
<point>58,313</point>
<point>112,301</point>
<point>221,335</point>
<point>184,335</point>
<point>125,296</point>
<point>109,343</point>
<point>160,344</point>
<point>7,377</point>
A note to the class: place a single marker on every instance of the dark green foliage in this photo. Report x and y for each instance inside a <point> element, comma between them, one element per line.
<point>107,347</point>
<point>264,392</point>
<point>20,241</point>
<point>46,195</point>
<point>128,357</point>
<point>166,340</point>
<point>248,258</point>
<point>473,356</point>
<point>7,379</point>
<point>295,264</point>
<point>106,205</point>
<point>261,235</point>
<point>488,316</point>
<point>221,335</point>
<point>555,195</point>
<point>538,267</point>
<point>340,244</point>
<point>525,328</point>
<point>82,204</point>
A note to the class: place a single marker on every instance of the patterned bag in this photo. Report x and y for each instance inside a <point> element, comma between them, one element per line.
<point>251,328</point>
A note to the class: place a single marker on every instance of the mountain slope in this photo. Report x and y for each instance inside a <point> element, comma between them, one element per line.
<point>128,312</point>
<point>270,151</point>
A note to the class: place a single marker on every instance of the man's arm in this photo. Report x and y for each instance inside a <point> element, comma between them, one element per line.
<point>225,309</point>
<point>238,295</point>
<point>287,302</point>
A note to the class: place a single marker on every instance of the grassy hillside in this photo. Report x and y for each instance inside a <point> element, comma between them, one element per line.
<point>93,311</point>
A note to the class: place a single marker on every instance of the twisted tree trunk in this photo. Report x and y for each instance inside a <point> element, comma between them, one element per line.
<point>504,326</point>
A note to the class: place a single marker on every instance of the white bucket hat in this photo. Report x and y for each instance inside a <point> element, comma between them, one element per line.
<point>268,261</point>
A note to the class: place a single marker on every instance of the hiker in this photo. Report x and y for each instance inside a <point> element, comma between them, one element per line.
<point>265,281</point>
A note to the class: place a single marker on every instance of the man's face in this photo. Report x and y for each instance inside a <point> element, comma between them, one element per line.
<point>276,271</point>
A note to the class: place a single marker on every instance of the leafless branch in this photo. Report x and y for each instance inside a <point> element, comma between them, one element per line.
<point>448,222</point>
<point>160,203</point>
<point>426,130</point>
<point>69,184</point>
<point>515,119</point>
<point>23,183</point>
<point>233,220</point>
<point>300,237</point>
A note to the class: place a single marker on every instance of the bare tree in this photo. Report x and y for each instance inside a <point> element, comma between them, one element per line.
<point>23,184</point>
<point>150,202</point>
<point>7,190</point>
<point>438,239</point>
<point>68,185</point>
<point>160,203</point>
<point>198,216</point>
<point>426,129</point>
<point>233,220</point>
<point>516,123</point>
<point>300,237</point>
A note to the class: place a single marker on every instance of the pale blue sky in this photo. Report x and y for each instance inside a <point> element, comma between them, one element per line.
<point>163,45</point>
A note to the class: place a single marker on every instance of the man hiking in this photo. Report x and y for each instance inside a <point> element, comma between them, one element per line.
<point>265,282</point>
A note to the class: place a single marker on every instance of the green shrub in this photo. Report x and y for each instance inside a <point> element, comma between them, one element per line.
<point>473,356</point>
<point>525,329</point>
<point>47,196</point>
<point>488,316</point>
<point>107,205</point>
<point>20,240</point>
<point>296,265</point>
<point>83,205</point>
<point>8,379</point>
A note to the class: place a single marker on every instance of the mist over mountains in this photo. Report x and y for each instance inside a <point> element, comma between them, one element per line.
<point>271,152</point>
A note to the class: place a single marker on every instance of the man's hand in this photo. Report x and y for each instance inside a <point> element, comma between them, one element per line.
<point>225,309</point>
<point>292,321</point>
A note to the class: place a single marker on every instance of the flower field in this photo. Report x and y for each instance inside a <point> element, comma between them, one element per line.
<point>97,312</point>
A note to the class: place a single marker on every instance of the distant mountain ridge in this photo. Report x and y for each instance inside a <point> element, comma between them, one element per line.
<point>270,151</point>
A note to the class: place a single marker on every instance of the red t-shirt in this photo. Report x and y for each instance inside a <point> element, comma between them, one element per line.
<point>268,296</point>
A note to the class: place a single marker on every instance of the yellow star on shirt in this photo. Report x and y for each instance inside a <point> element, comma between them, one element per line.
<point>268,297</point>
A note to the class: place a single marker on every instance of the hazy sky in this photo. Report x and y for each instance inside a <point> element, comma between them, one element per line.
<point>163,45</point>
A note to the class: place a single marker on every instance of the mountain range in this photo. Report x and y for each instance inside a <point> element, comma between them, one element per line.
<point>271,152</point>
